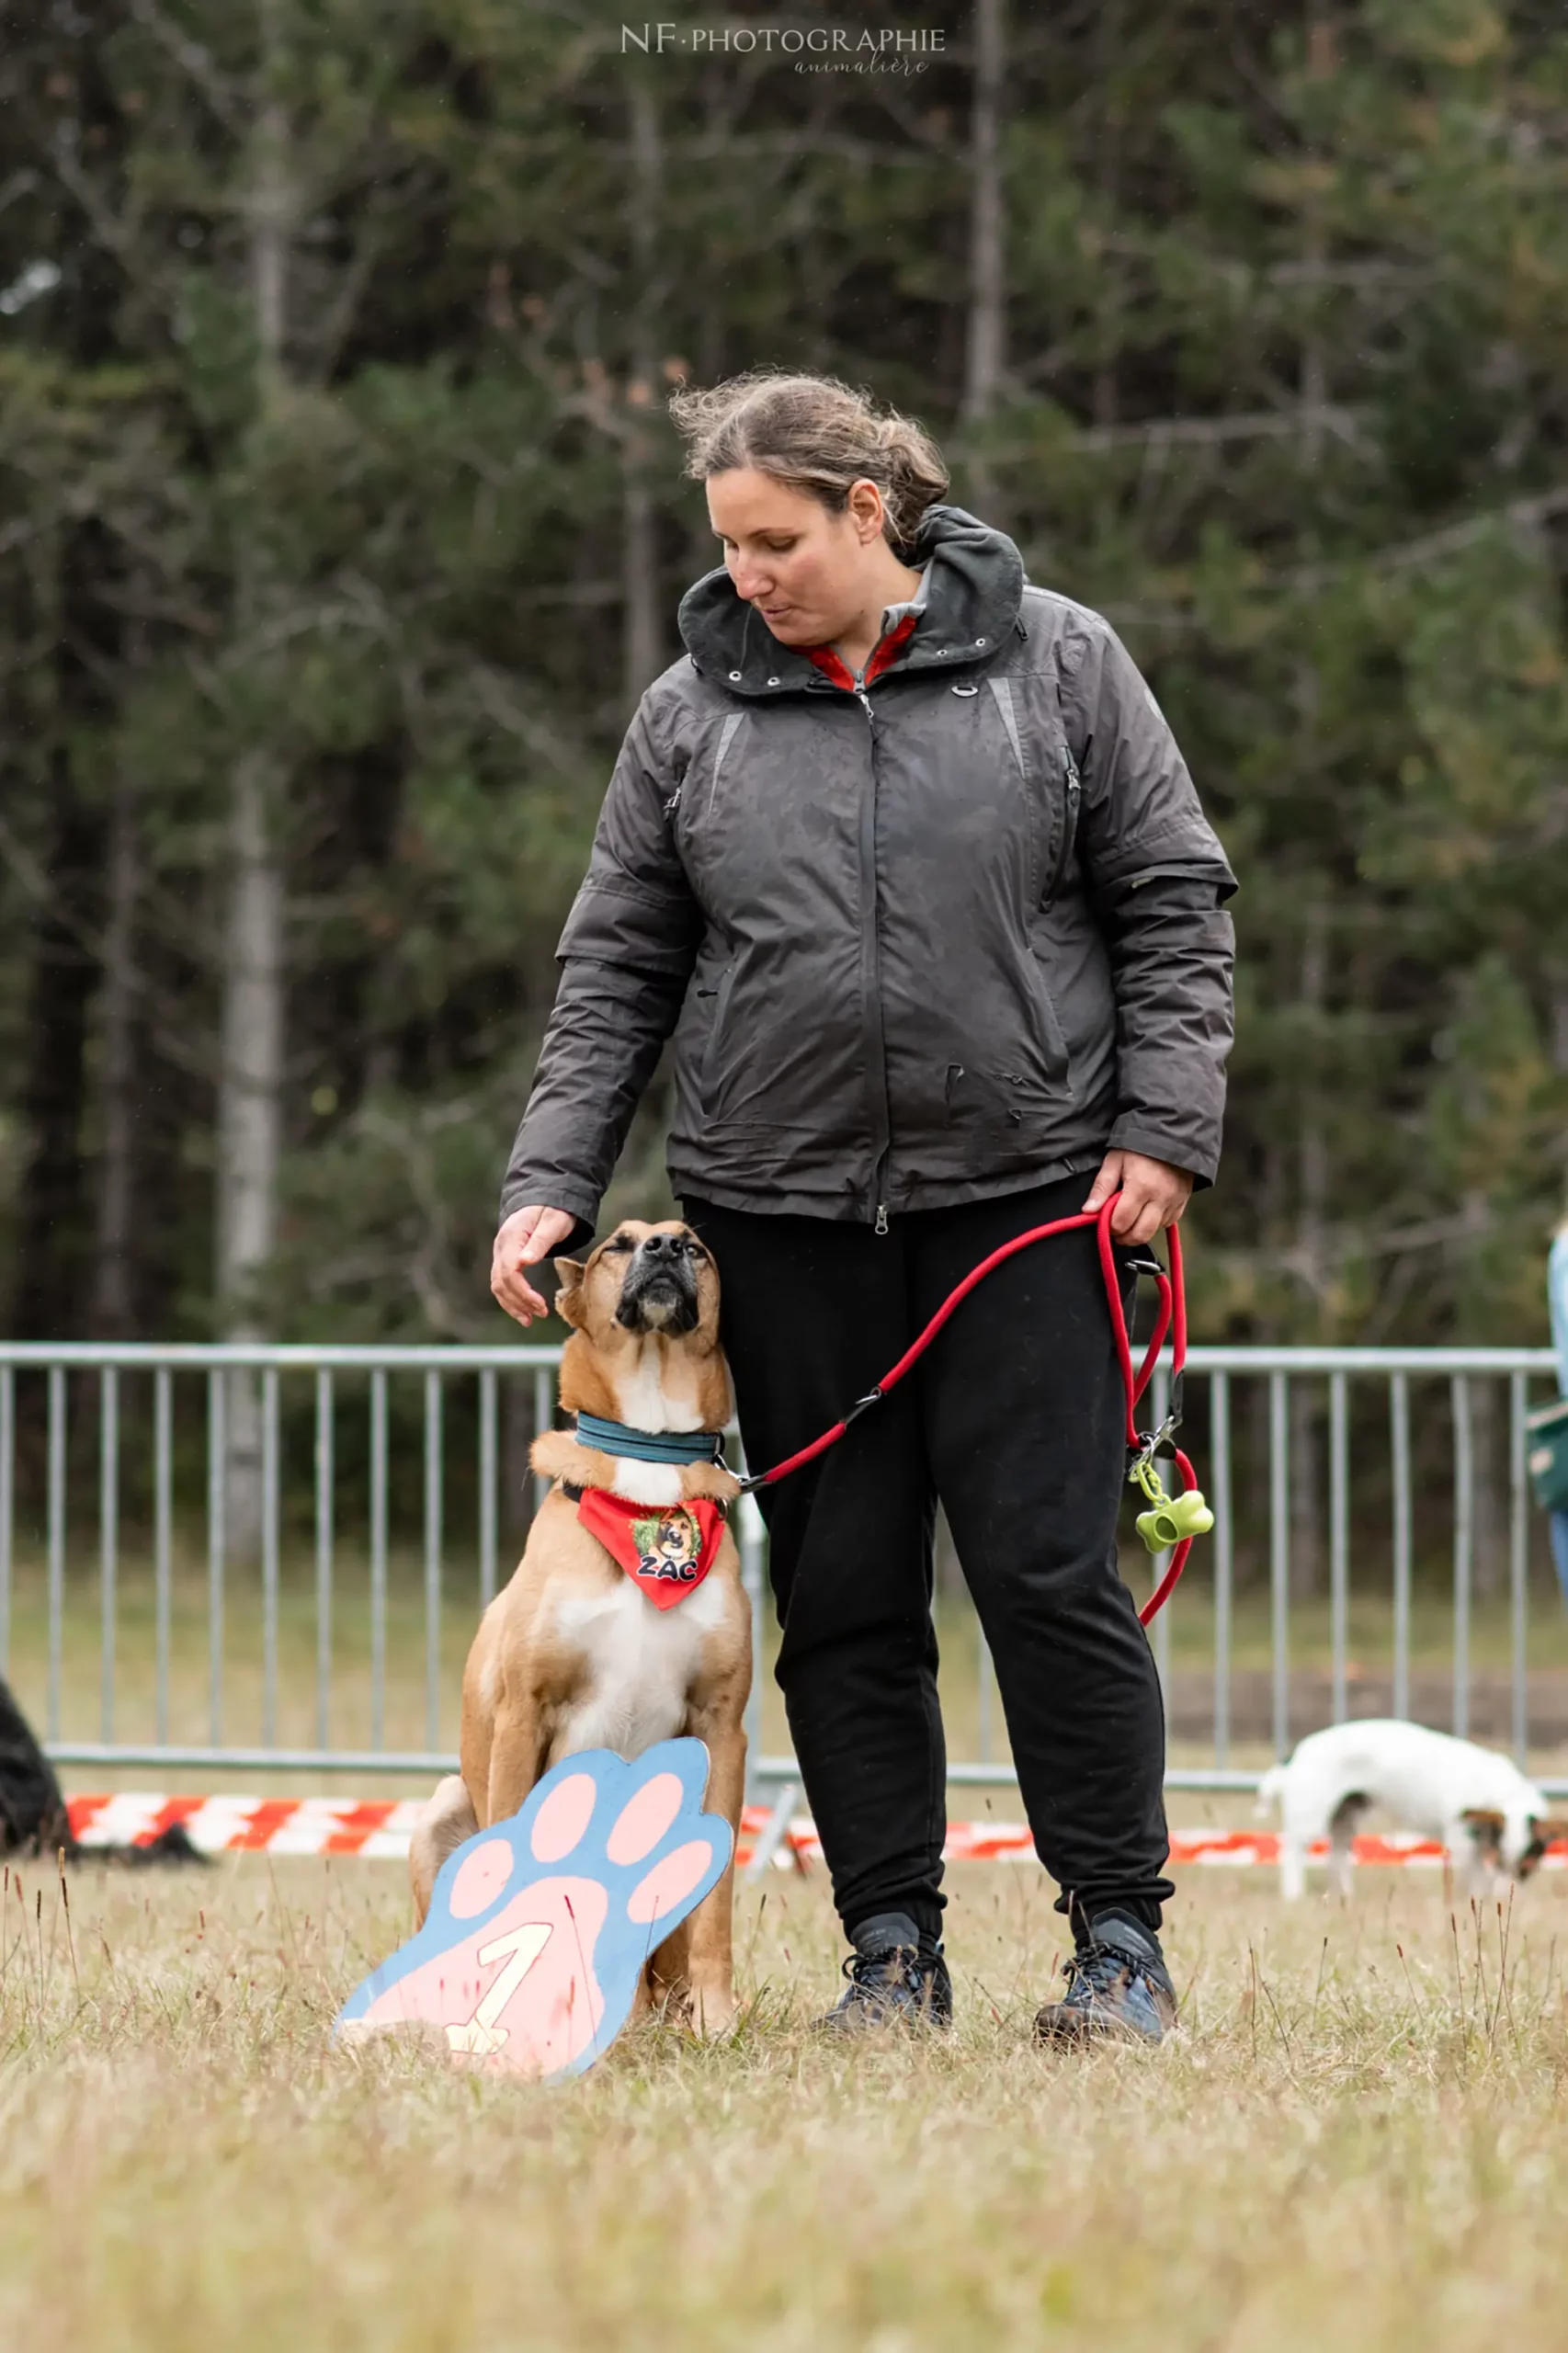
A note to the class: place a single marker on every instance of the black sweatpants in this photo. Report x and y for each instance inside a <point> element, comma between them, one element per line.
<point>1014,1419</point>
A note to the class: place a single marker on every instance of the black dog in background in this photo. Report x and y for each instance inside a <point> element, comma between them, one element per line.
<point>33,1816</point>
<point>33,1820</point>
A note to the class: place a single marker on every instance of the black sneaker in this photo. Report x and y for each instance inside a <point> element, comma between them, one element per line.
<point>1118,1986</point>
<point>891,1984</point>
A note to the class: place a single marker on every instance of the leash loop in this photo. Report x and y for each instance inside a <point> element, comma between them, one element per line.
<point>1170,1522</point>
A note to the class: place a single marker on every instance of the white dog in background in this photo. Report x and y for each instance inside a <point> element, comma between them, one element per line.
<point>1487,1815</point>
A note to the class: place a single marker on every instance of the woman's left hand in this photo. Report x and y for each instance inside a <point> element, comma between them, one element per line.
<point>1153,1194</point>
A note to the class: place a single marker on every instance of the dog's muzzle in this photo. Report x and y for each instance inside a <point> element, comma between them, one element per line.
<point>660,1290</point>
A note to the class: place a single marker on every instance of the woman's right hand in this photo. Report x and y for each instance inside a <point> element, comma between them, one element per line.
<point>527,1235</point>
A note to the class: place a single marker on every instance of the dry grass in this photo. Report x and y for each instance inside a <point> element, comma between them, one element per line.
<point>1357,2139</point>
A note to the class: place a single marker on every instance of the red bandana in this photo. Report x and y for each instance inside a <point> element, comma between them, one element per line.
<point>667,1549</point>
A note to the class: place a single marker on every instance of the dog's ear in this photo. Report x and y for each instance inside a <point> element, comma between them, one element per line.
<point>569,1298</point>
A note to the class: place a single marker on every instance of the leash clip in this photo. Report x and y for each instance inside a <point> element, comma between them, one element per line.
<point>1140,1459</point>
<point>851,1413</point>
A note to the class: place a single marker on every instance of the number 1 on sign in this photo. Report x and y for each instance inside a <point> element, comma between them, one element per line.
<point>519,1950</point>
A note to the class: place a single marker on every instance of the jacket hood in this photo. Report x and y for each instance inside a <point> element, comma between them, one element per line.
<point>973,608</point>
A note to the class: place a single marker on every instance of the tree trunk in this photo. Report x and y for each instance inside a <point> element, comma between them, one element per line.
<point>249,1113</point>
<point>51,1208</point>
<point>113,1313</point>
<point>642,645</point>
<point>250,1086</point>
<point>985,355</point>
<point>1557,1019</point>
<point>1314,253</point>
<point>1312,1171</point>
<point>1108,179</point>
<point>1306,1421</point>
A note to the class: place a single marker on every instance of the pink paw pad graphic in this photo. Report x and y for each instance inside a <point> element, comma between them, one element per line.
<point>540,1927</point>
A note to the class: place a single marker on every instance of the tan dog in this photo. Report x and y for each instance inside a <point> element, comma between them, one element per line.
<point>572,1654</point>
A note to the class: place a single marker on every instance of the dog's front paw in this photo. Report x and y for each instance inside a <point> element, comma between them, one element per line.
<point>711,2011</point>
<point>707,2011</point>
<point>712,1479</point>
<point>540,1926</point>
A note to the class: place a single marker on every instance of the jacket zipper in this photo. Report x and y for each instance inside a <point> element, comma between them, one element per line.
<point>876,1048</point>
<point>1069,822</point>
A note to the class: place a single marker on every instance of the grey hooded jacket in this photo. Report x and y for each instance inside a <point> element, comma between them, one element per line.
<point>935,938</point>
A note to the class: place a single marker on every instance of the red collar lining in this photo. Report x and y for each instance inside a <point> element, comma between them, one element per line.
<point>887,651</point>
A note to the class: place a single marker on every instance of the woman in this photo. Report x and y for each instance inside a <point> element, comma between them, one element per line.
<point>903,853</point>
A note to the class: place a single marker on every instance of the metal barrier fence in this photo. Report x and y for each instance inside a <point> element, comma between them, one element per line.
<point>1381,1444</point>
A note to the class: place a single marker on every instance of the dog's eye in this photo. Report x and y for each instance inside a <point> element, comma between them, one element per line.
<point>621,1242</point>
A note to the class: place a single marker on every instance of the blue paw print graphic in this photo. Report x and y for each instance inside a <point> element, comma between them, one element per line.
<point>540,1927</point>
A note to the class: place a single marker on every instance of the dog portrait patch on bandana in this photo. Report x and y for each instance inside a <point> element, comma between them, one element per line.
<point>667,1549</point>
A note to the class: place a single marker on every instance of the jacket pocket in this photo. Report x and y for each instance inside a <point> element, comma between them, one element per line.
<point>1050,1035</point>
<point>997,1102</point>
<point>1072,794</point>
<point>707,796</point>
<point>708,1070</point>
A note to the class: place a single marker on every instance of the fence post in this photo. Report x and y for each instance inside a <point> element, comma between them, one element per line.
<point>1224,1558</point>
<point>162,1513</point>
<point>1464,1546</point>
<point>754,1535</point>
<point>1279,1553</point>
<point>1399,1419</point>
<point>7,1505</point>
<point>269,1564</point>
<point>217,1510</point>
<point>378,1558</point>
<point>108,1542</point>
<point>487,1487</point>
<point>57,1404</point>
<point>1159,1393</point>
<point>433,1517</point>
<point>1519,1563</point>
<point>1339,1538</point>
<point>544,1414</point>
<point>324,1555</point>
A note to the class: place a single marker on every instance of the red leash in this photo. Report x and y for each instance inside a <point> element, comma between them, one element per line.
<point>1172,1319</point>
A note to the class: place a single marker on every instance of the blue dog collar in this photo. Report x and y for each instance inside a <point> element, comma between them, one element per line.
<point>651,1446</point>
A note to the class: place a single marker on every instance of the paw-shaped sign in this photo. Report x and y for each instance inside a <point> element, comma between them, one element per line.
<point>540,1927</point>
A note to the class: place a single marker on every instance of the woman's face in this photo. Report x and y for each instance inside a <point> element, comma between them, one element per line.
<point>808,572</point>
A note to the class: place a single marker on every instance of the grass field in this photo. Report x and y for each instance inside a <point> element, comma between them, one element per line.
<point>1356,2138</point>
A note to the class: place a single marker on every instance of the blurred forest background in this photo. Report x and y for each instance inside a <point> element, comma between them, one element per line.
<point>341,526</point>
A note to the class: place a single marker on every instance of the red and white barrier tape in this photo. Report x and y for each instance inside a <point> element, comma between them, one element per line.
<point>379,1827</point>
